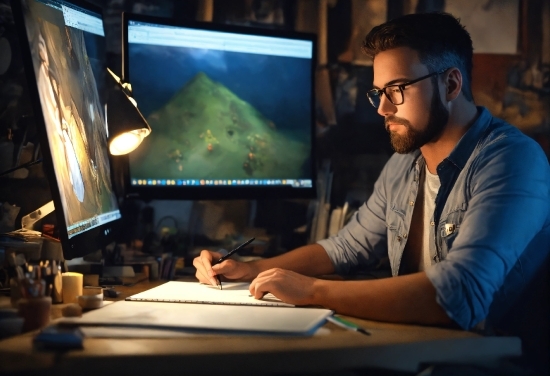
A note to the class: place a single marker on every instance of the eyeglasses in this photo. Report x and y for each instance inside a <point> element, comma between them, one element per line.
<point>395,92</point>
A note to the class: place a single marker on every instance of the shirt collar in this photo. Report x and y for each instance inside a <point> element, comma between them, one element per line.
<point>469,141</point>
<point>465,146</point>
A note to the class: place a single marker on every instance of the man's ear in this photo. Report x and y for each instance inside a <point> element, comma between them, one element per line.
<point>453,83</point>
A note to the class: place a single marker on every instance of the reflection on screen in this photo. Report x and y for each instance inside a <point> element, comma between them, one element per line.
<point>225,108</point>
<point>66,44</point>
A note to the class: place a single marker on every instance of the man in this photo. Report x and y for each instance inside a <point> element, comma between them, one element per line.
<point>462,210</point>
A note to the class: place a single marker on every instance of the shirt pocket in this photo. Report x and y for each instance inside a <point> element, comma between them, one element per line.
<point>397,236</point>
<point>448,229</point>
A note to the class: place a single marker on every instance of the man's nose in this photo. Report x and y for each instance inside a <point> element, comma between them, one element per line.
<point>386,107</point>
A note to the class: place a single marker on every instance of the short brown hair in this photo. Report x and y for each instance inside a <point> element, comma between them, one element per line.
<point>439,38</point>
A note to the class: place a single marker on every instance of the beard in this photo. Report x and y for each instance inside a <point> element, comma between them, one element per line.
<point>413,139</point>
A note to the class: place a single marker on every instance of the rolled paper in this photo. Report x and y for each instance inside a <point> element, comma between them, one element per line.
<point>72,287</point>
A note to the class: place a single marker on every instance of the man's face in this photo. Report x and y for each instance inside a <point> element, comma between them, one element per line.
<point>422,116</point>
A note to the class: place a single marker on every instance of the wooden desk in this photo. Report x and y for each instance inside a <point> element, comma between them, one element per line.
<point>390,347</point>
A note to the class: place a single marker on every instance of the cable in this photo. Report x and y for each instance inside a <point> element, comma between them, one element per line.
<point>28,164</point>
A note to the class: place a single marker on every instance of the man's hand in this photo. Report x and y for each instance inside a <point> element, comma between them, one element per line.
<point>286,285</point>
<point>229,269</point>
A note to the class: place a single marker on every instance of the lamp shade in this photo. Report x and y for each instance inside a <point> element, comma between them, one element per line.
<point>126,125</point>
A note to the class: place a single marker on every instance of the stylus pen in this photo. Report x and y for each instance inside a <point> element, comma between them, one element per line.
<point>347,324</point>
<point>223,258</point>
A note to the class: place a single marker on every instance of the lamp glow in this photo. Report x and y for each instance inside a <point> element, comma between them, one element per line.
<point>127,142</point>
<point>126,125</point>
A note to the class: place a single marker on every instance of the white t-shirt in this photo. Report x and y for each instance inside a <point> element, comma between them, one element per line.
<point>431,187</point>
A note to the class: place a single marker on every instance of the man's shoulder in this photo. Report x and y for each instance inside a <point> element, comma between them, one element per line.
<point>499,130</point>
<point>501,135</point>
<point>502,142</point>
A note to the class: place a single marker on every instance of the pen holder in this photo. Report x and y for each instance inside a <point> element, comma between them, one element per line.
<point>35,312</point>
<point>15,293</point>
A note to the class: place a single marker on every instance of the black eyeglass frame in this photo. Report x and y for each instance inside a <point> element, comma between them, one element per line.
<point>401,87</point>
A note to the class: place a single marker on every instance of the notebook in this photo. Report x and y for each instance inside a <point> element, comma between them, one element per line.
<point>204,318</point>
<point>233,293</point>
<point>231,310</point>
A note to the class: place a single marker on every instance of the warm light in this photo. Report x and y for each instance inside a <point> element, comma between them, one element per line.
<point>127,142</point>
<point>126,125</point>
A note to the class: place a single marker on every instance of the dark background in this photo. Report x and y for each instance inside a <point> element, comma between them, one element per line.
<point>356,147</point>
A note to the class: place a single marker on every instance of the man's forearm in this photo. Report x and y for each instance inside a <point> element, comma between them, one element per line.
<point>405,299</point>
<point>311,260</point>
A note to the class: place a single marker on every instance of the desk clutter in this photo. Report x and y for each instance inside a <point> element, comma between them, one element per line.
<point>195,307</point>
<point>34,286</point>
<point>173,309</point>
<point>37,286</point>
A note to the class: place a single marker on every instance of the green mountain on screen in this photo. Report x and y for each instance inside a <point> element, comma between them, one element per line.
<point>205,130</point>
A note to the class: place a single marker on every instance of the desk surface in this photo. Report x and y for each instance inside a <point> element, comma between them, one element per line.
<point>333,349</point>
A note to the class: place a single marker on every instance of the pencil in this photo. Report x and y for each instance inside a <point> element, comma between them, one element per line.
<point>347,325</point>
<point>223,258</point>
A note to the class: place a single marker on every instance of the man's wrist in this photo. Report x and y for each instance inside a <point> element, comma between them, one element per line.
<point>253,270</point>
<point>319,292</point>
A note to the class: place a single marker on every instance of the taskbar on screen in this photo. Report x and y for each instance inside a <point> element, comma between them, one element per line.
<point>296,183</point>
<point>90,223</point>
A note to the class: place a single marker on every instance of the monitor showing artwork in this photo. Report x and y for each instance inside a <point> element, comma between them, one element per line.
<point>231,110</point>
<point>64,53</point>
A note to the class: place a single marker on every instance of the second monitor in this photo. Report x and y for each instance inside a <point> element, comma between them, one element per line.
<point>231,110</point>
<point>62,48</point>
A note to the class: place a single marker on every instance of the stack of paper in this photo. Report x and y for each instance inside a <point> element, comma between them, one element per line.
<point>192,306</point>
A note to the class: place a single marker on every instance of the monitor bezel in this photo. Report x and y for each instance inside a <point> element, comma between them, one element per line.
<point>93,239</point>
<point>224,192</point>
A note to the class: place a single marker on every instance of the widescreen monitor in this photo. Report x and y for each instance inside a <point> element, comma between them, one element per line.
<point>231,110</point>
<point>63,50</point>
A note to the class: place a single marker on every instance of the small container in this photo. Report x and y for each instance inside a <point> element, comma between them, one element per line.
<point>35,312</point>
<point>15,292</point>
<point>91,280</point>
<point>71,286</point>
<point>91,298</point>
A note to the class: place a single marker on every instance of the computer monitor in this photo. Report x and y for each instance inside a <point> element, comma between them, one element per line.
<point>62,49</point>
<point>231,110</point>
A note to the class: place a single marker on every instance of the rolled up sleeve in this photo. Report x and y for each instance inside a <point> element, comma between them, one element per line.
<point>507,212</point>
<point>363,241</point>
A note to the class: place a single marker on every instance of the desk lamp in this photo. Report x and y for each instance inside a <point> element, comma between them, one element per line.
<point>126,125</point>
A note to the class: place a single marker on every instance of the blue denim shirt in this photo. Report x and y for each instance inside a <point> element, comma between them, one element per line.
<point>490,230</point>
